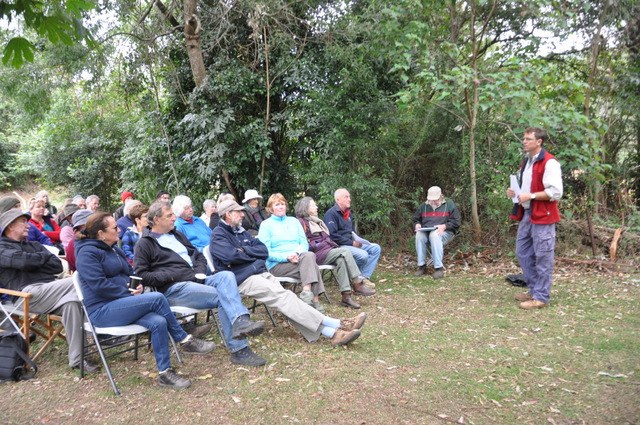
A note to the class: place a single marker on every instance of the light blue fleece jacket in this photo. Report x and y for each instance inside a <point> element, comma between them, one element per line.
<point>283,236</point>
<point>197,232</point>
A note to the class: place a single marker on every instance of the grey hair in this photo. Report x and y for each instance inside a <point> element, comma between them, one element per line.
<point>224,196</point>
<point>208,203</point>
<point>91,198</point>
<point>155,210</point>
<point>130,204</point>
<point>302,207</point>
<point>338,192</point>
<point>180,203</point>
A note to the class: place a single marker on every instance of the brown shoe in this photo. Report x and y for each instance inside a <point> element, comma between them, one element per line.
<point>349,302</point>
<point>353,323</point>
<point>525,296</point>
<point>422,270</point>
<point>344,337</point>
<point>363,290</point>
<point>532,305</point>
<point>367,282</point>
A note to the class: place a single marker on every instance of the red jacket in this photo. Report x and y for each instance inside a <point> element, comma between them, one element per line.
<point>54,235</point>
<point>542,212</point>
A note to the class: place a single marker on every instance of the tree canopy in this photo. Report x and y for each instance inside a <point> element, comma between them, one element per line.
<point>302,97</point>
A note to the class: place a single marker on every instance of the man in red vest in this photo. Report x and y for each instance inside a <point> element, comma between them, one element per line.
<point>537,211</point>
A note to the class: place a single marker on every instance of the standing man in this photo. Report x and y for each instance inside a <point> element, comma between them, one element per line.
<point>165,259</point>
<point>537,210</point>
<point>443,218</point>
<point>338,220</point>
<point>30,267</point>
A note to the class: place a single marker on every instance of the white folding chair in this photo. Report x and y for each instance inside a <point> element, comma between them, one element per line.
<point>207,254</point>
<point>128,330</point>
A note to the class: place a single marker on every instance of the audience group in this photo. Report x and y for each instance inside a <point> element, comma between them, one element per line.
<point>251,247</point>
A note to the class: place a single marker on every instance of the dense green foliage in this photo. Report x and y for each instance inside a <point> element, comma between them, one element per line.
<point>385,98</point>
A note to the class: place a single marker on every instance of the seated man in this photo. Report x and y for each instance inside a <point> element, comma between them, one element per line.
<point>166,261</point>
<point>338,220</point>
<point>236,250</point>
<point>30,267</point>
<point>443,216</point>
<point>194,228</point>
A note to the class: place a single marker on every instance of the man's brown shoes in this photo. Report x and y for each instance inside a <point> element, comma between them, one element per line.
<point>532,305</point>
<point>353,323</point>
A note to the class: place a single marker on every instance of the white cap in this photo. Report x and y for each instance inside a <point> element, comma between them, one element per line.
<point>251,194</point>
<point>434,193</point>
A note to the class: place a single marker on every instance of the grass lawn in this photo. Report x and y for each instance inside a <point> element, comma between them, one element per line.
<point>456,350</point>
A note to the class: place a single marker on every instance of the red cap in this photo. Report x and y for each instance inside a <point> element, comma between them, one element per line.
<point>125,195</point>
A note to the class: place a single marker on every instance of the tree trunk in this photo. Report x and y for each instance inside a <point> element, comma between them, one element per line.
<point>472,111</point>
<point>192,39</point>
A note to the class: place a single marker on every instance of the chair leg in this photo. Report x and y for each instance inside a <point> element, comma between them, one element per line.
<point>219,327</point>
<point>266,307</point>
<point>175,348</point>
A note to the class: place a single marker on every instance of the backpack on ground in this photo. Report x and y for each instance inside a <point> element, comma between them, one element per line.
<point>14,362</point>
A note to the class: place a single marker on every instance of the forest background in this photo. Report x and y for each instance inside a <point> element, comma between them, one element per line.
<point>385,98</point>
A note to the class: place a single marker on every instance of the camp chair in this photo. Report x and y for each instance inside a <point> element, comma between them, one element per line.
<point>128,330</point>
<point>207,254</point>
<point>16,311</point>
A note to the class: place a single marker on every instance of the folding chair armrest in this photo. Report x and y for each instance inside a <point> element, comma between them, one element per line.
<point>15,293</point>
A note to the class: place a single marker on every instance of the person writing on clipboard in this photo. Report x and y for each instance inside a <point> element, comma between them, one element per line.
<point>436,222</point>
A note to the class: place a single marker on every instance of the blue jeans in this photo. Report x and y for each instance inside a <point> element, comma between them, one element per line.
<point>535,244</point>
<point>219,291</point>
<point>150,310</point>
<point>436,247</point>
<point>366,257</point>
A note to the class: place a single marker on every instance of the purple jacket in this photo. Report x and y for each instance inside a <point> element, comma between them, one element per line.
<point>320,243</point>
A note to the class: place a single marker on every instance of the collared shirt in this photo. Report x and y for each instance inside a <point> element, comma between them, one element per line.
<point>169,241</point>
<point>551,179</point>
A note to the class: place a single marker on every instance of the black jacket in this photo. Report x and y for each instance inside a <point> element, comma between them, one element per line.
<point>161,267</point>
<point>237,252</point>
<point>25,263</point>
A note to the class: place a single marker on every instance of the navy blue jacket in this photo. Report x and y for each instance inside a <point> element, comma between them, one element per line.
<point>237,252</point>
<point>104,272</point>
<point>339,228</point>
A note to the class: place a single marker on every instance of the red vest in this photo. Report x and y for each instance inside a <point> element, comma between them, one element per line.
<point>542,212</point>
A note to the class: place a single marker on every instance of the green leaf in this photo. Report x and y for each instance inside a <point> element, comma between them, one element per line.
<point>17,51</point>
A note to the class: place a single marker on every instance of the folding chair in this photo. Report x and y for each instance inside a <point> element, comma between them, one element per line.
<point>128,330</point>
<point>207,254</point>
<point>182,312</point>
<point>47,326</point>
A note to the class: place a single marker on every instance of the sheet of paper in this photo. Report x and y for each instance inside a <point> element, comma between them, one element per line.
<point>515,187</point>
<point>426,229</point>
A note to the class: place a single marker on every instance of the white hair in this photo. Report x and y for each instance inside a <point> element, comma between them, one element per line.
<point>130,204</point>
<point>180,203</point>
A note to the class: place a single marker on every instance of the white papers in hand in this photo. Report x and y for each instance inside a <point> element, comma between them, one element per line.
<point>515,187</point>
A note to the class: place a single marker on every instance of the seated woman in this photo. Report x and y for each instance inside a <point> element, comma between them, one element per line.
<point>139,216</point>
<point>104,278</point>
<point>255,213</point>
<point>44,223</point>
<point>328,252</point>
<point>289,254</point>
<point>214,218</point>
<point>209,206</point>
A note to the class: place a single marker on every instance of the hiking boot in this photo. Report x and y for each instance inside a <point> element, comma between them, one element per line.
<point>200,330</point>
<point>246,357</point>
<point>169,378</point>
<point>367,282</point>
<point>422,270</point>
<point>438,273</point>
<point>307,297</point>
<point>363,290</point>
<point>354,322</point>
<point>197,346</point>
<point>342,337</point>
<point>243,327</point>
<point>532,305</point>
<point>88,366</point>
<point>349,302</point>
<point>525,296</point>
